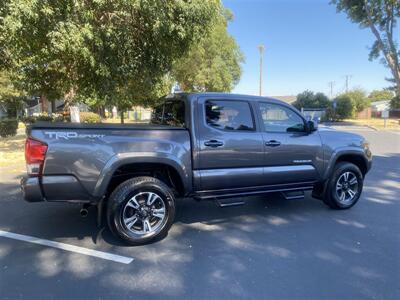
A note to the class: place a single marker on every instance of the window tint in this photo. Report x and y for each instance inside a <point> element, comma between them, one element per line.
<point>170,113</point>
<point>229,115</point>
<point>278,118</point>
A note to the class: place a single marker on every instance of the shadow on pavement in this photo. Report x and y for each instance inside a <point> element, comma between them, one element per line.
<point>269,247</point>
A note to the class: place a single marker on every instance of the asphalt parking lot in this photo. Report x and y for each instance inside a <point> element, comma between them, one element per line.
<point>268,248</point>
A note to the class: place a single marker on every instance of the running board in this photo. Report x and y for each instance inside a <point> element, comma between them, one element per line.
<point>292,195</point>
<point>228,202</point>
<point>233,193</point>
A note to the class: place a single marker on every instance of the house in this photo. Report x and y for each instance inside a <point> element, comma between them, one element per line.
<point>379,106</point>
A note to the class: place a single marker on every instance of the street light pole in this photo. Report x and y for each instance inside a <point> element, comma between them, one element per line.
<point>261,49</point>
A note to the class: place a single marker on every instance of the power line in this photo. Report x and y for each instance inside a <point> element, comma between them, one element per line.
<point>331,85</point>
<point>348,77</point>
<point>261,49</point>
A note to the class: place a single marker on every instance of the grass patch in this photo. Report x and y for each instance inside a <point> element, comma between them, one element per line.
<point>12,150</point>
<point>378,123</point>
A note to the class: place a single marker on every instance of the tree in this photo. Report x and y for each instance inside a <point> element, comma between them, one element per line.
<point>378,95</point>
<point>381,17</point>
<point>109,49</point>
<point>213,63</point>
<point>359,99</point>
<point>10,96</point>
<point>344,107</point>
<point>395,103</point>
<point>309,99</point>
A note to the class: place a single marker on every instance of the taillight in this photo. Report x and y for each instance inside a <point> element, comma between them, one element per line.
<point>35,153</point>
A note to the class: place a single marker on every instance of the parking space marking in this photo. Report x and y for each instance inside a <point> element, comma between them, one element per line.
<point>67,247</point>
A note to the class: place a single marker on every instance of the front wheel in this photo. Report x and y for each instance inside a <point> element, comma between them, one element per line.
<point>141,210</point>
<point>345,186</point>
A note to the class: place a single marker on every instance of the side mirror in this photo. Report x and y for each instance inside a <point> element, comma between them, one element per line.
<point>312,126</point>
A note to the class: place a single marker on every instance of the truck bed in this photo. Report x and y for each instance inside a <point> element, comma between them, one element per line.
<point>82,158</point>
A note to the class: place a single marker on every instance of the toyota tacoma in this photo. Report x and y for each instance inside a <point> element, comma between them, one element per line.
<point>206,146</point>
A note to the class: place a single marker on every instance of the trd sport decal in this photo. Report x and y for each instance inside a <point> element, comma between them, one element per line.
<point>66,135</point>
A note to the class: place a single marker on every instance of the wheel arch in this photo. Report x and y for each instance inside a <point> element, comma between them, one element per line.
<point>355,157</point>
<point>167,169</point>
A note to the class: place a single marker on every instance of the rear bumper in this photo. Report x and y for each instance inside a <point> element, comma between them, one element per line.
<point>65,188</point>
<point>30,187</point>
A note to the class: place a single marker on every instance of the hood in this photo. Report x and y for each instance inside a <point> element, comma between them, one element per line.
<point>337,139</point>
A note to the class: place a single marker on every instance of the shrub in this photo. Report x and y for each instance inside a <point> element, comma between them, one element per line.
<point>28,119</point>
<point>308,99</point>
<point>43,117</point>
<point>89,117</point>
<point>8,127</point>
<point>345,107</point>
<point>359,99</point>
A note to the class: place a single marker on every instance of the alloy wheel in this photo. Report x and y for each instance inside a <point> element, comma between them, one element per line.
<point>144,213</point>
<point>346,187</point>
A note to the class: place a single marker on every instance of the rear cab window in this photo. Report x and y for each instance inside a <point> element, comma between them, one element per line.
<point>171,112</point>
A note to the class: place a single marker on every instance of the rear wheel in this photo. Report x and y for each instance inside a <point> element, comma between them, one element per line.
<point>345,186</point>
<point>141,210</point>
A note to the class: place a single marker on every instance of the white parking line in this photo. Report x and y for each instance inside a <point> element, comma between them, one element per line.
<point>67,247</point>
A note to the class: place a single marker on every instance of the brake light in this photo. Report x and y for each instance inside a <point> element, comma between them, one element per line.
<point>35,153</point>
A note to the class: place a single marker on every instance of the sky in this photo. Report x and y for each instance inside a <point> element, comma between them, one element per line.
<point>307,45</point>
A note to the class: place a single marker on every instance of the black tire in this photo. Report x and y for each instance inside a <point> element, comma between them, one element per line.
<point>118,207</point>
<point>333,193</point>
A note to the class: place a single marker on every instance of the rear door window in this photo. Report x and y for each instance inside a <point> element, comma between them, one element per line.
<point>229,115</point>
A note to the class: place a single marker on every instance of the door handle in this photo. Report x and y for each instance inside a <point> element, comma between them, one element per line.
<point>272,143</point>
<point>213,143</point>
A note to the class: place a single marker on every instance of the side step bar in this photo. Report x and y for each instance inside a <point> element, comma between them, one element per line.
<point>292,195</point>
<point>229,202</point>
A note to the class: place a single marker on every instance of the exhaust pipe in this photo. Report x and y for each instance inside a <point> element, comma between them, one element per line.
<point>84,210</point>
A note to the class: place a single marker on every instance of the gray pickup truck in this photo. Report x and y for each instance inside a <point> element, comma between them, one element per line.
<point>205,146</point>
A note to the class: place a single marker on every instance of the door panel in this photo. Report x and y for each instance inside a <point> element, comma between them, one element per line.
<point>229,147</point>
<point>287,145</point>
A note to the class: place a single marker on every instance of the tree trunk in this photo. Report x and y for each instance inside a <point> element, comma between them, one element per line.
<point>53,106</point>
<point>390,56</point>
<point>122,116</point>
<point>102,111</point>
<point>68,97</point>
<point>44,103</point>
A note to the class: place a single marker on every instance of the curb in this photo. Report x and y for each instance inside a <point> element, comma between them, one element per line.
<point>372,127</point>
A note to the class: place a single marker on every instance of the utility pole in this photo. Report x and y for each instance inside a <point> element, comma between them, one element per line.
<point>261,49</point>
<point>348,77</point>
<point>331,84</point>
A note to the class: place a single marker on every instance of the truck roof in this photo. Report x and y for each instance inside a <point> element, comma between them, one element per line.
<point>230,96</point>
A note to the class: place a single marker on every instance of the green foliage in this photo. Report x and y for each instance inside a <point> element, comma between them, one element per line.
<point>395,103</point>
<point>8,127</point>
<point>43,117</point>
<point>28,120</point>
<point>359,99</point>
<point>10,97</point>
<point>113,52</point>
<point>381,16</point>
<point>330,114</point>
<point>309,99</point>
<point>89,117</point>
<point>344,107</point>
<point>213,62</point>
<point>378,95</point>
